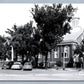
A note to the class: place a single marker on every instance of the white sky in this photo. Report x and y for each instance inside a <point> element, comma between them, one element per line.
<point>19,14</point>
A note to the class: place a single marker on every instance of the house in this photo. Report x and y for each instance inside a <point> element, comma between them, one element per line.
<point>68,45</point>
<point>65,49</point>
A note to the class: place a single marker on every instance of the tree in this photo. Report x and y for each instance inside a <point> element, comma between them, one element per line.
<point>35,46</point>
<point>2,47</point>
<point>78,50</point>
<point>53,21</point>
<point>20,38</point>
<point>10,42</point>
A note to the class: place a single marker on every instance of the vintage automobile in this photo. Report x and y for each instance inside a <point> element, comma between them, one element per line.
<point>7,65</point>
<point>27,66</point>
<point>17,66</point>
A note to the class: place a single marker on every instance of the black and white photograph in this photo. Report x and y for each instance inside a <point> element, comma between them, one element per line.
<point>41,42</point>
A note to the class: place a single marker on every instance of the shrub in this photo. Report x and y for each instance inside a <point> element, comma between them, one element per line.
<point>41,64</point>
<point>59,63</point>
<point>70,63</point>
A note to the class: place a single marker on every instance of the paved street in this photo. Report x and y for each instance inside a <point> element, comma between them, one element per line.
<point>39,74</point>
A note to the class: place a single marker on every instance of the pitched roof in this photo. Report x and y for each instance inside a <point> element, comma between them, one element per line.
<point>75,33</point>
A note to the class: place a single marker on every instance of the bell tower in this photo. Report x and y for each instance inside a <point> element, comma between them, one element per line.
<point>75,22</point>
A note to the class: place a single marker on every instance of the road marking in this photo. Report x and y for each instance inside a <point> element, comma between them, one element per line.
<point>25,75</point>
<point>15,75</point>
<point>42,74</point>
<point>61,74</point>
<point>29,75</point>
<point>81,73</point>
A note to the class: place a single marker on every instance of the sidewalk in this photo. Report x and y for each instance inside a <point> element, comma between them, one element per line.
<point>66,69</point>
<point>42,74</point>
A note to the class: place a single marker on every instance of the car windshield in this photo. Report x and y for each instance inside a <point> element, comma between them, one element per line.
<point>17,63</point>
<point>27,63</point>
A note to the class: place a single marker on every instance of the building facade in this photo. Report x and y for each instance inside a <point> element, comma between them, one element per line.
<point>65,49</point>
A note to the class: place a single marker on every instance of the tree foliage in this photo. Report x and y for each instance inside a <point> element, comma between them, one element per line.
<point>2,47</point>
<point>21,38</point>
<point>53,21</point>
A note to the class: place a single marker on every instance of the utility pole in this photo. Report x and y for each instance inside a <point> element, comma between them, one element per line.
<point>63,60</point>
<point>65,51</point>
<point>12,53</point>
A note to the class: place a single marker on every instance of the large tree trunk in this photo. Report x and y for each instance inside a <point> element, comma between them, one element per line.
<point>15,59</point>
<point>27,57</point>
<point>36,60</point>
<point>22,57</point>
<point>16,56</point>
<point>46,58</point>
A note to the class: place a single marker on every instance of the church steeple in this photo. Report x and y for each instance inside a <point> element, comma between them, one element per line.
<point>75,22</point>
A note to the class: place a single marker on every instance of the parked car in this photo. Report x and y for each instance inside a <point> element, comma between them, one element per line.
<point>17,66</point>
<point>27,66</point>
<point>7,65</point>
